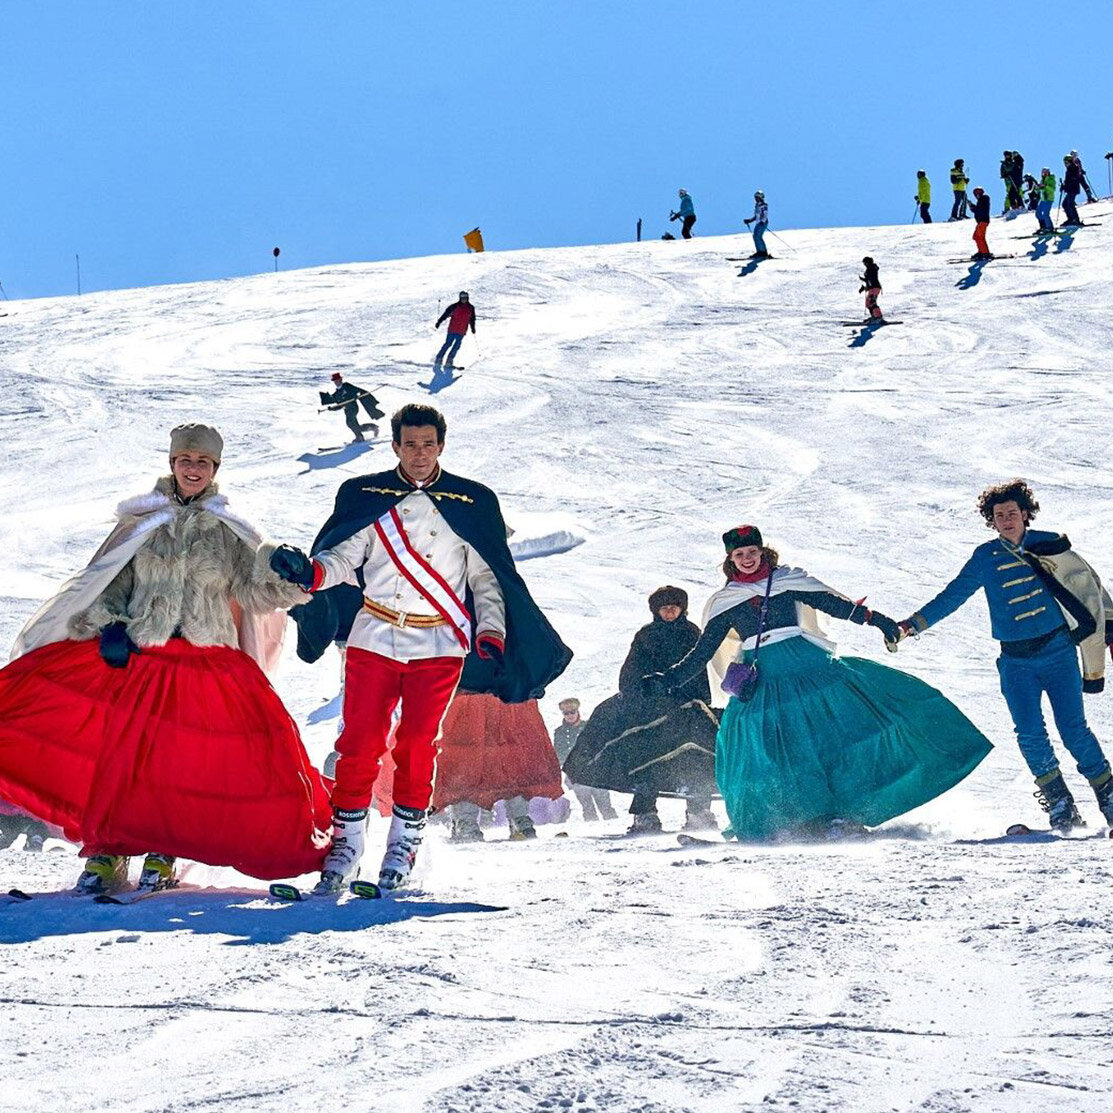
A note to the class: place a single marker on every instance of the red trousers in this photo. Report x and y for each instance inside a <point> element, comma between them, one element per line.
<point>872,308</point>
<point>979,238</point>
<point>373,685</point>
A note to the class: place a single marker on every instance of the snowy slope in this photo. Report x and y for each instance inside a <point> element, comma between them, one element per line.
<point>629,403</point>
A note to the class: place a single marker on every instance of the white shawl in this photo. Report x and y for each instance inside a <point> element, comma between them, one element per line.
<point>260,635</point>
<point>807,624</point>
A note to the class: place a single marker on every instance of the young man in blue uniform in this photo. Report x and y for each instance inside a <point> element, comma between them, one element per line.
<point>1044,600</point>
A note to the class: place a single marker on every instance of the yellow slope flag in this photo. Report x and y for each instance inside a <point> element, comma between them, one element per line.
<point>474,240</point>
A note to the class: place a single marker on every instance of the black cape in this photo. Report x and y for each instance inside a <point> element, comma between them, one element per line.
<point>535,655</point>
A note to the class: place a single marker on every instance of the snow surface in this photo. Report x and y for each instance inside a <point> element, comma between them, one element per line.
<point>629,403</point>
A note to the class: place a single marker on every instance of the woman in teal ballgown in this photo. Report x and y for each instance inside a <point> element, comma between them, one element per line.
<point>824,739</point>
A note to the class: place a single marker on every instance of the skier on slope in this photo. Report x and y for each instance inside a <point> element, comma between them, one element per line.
<point>132,714</point>
<point>649,746</point>
<point>871,287</point>
<point>460,316</point>
<point>1090,198</point>
<point>959,182</point>
<point>438,579</point>
<point>760,221</point>
<point>1016,182</point>
<point>595,803</point>
<point>981,223</point>
<point>923,195</point>
<point>349,397</point>
<point>686,214</point>
<point>1072,186</point>
<point>1044,601</point>
<point>813,741</point>
<point>1048,184</point>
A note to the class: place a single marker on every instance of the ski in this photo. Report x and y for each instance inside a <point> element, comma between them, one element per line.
<point>286,893</point>
<point>134,896</point>
<point>971,259</point>
<point>748,258</point>
<point>685,839</point>
<point>868,324</point>
<point>366,890</point>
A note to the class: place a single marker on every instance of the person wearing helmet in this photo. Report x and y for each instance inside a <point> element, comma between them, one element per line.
<point>871,287</point>
<point>760,221</point>
<point>686,213</point>
<point>1090,198</point>
<point>460,316</point>
<point>923,195</point>
<point>1016,182</point>
<point>1072,186</point>
<point>981,223</point>
<point>959,182</point>
<point>1047,186</point>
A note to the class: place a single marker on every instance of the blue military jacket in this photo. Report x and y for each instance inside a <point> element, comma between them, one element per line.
<point>1020,606</point>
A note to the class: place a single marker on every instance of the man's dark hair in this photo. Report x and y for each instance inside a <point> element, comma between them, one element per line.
<point>412,414</point>
<point>1015,490</point>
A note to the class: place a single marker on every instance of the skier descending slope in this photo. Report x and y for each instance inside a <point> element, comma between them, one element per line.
<point>760,221</point>
<point>460,316</point>
<point>1044,600</point>
<point>438,576</point>
<point>349,397</point>
<point>871,287</point>
<point>809,739</point>
<point>981,223</point>
<point>136,715</point>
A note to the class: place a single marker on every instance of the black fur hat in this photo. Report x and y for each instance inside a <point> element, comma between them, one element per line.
<point>668,596</point>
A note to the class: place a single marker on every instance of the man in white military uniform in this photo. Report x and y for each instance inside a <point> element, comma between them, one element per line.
<point>407,643</point>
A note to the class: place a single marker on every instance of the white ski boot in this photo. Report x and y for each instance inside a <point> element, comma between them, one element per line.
<point>403,841</point>
<point>341,864</point>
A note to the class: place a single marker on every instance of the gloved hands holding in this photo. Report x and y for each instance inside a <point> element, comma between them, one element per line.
<point>293,566</point>
<point>889,629</point>
<point>116,646</point>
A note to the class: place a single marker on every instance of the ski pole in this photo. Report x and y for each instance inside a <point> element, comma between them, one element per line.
<point>914,212</point>
<point>778,238</point>
<point>354,398</point>
<point>1059,206</point>
<point>4,292</point>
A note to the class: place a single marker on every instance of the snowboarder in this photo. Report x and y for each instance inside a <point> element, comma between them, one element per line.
<point>810,741</point>
<point>1090,198</point>
<point>686,213</point>
<point>649,746</point>
<point>132,715</point>
<point>871,287</point>
<point>1047,186</point>
<point>981,223</point>
<point>438,580</point>
<point>349,397</point>
<point>923,195</point>
<point>595,803</point>
<point>760,221</point>
<point>1072,186</point>
<point>460,316</point>
<point>959,182</point>
<point>1044,600</point>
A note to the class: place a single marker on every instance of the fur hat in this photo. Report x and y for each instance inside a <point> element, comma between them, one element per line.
<point>668,596</point>
<point>569,704</point>
<point>196,438</point>
<point>337,377</point>
<point>741,536</point>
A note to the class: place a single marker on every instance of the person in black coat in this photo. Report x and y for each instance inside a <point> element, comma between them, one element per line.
<point>349,397</point>
<point>652,746</point>
<point>1072,186</point>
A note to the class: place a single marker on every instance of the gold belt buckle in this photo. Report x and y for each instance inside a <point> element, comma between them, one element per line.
<point>401,623</point>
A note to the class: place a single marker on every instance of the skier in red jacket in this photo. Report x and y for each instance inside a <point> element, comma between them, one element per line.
<point>461,317</point>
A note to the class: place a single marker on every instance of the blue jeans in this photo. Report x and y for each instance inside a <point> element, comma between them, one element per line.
<point>759,237</point>
<point>1043,214</point>
<point>1054,670</point>
<point>452,346</point>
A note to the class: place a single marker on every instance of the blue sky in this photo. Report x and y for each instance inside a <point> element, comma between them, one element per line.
<point>169,142</point>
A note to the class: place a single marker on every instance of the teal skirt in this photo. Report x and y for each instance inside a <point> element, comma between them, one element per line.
<point>836,737</point>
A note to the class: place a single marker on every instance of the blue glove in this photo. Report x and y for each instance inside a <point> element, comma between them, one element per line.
<point>293,566</point>
<point>116,646</point>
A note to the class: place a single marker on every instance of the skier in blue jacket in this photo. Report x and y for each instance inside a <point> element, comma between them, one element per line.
<point>686,213</point>
<point>1043,600</point>
<point>760,221</point>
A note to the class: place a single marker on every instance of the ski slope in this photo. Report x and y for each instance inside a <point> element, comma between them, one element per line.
<point>629,403</point>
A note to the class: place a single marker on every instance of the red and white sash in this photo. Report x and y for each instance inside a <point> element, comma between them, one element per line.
<point>423,576</point>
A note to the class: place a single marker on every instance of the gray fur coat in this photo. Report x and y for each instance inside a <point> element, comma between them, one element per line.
<point>184,579</point>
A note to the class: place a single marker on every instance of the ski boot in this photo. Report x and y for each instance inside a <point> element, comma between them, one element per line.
<point>522,828</point>
<point>1055,799</point>
<point>1102,785</point>
<point>646,823</point>
<point>403,841</point>
<point>33,842</point>
<point>158,873</point>
<point>465,829</point>
<point>700,818</point>
<point>341,864</point>
<point>103,873</point>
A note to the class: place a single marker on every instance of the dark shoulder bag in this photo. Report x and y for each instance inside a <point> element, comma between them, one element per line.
<point>740,680</point>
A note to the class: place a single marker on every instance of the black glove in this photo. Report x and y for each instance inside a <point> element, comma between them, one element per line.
<point>748,220</point>
<point>654,686</point>
<point>116,646</point>
<point>293,566</point>
<point>324,398</point>
<point>887,626</point>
